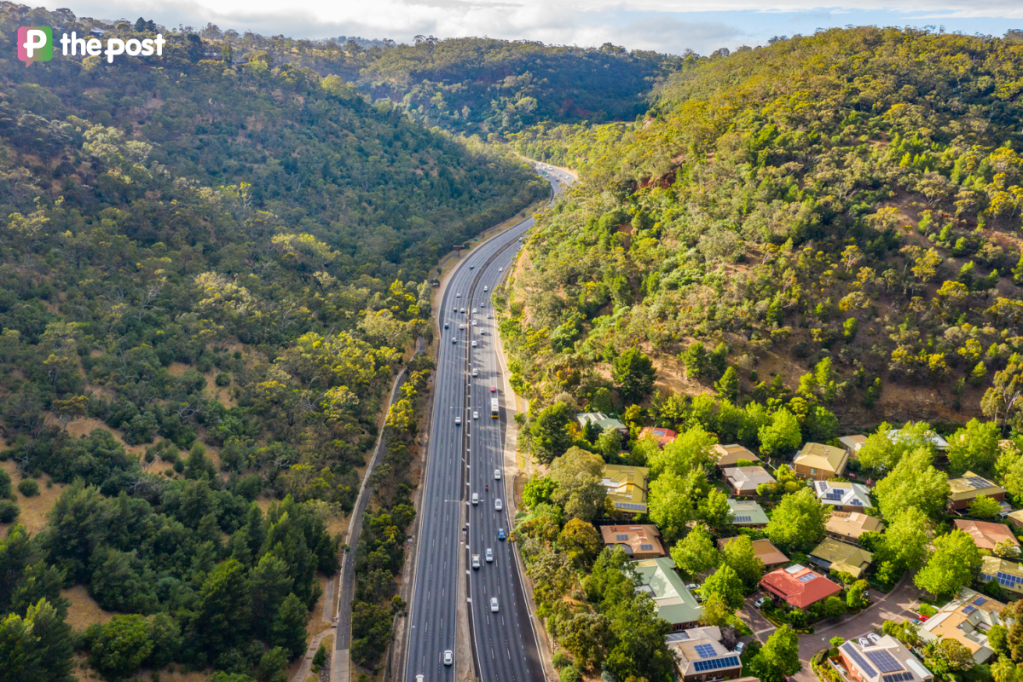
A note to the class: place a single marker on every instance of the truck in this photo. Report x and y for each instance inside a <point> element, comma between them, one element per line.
<point>476,561</point>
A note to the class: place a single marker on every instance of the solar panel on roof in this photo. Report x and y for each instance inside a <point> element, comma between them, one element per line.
<point>646,548</point>
<point>897,677</point>
<point>806,578</point>
<point>884,661</point>
<point>705,651</point>
<point>859,660</point>
<point>980,601</point>
<point>744,519</point>
<point>628,505</point>
<point>622,537</point>
<point>969,609</point>
<point>716,664</point>
<point>978,482</point>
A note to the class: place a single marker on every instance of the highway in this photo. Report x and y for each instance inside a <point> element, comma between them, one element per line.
<point>461,460</point>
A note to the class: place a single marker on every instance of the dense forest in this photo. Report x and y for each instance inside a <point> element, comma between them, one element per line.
<point>848,201</point>
<point>209,274</point>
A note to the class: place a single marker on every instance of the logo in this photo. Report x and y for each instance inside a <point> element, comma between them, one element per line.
<point>35,44</point>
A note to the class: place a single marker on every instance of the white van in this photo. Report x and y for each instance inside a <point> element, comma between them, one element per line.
<point>475,498</point>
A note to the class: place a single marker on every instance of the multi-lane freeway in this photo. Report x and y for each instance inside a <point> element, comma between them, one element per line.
<point>465,456</point>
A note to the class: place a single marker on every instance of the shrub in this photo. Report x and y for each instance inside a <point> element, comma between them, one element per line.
<point>5,484</point>
<point>222,379</point>
<point>8,511</point>
<point>28,488</point>
<point>560,660</point>
<point>570,674</point>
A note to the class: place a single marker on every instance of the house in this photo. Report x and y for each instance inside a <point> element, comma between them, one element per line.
<point>639,542</point>
<point>939,443</point>
<point>602,421</point>
<point>886,661</point>
<point>839,557</point>
<point>849,526</point>
<point>843,495</point>
<point>662,436</point>
<point>626,487</point>
<point>985,534</point>
<point>730,455</point>
<point>852,444</point>
<point>673,601</point>
<point>747,514</point>
<point>966,619</point>
<point>963,491</point>
<point>1016,518</point>
<point>820,462</point>
<point>744,480</point>
<point>765,551</point>
<point>799,586</point>
<point>1008,574</point>
<point>702,656</point>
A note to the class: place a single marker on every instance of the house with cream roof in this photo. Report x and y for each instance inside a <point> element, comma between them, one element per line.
<point>820,462</point>
<point>966,619</point>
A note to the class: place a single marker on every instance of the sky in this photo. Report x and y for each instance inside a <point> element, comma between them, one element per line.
<point>671,26</point>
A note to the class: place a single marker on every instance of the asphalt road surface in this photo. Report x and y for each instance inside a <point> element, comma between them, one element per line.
<point>462,459</point>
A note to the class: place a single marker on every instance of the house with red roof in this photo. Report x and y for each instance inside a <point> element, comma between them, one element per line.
<point>799,586</point>
<point>986,535</point>
<point>662,436</point>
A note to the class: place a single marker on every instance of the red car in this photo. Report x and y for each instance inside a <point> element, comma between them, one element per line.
<point>493,389</point>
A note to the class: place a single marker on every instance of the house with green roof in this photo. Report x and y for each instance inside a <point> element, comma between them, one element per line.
<point>626,487</point>
<point>747,514</point>
<point>602,421</point>
<point>673,601</point>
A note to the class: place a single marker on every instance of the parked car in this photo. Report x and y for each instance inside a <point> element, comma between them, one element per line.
<point>863,641</point>
<point>873,638</point>
<point>691,586</point>
<point>760,602</point>
<point>739,648</point>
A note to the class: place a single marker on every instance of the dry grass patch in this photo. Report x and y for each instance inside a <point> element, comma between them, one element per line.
<point>34,510</point>
<point>84,611</point>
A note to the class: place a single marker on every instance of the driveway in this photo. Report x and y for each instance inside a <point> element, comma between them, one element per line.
<point>897,606</point>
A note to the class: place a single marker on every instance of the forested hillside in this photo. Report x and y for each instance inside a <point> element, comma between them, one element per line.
<point>209,273</point>
<point>830,223</point>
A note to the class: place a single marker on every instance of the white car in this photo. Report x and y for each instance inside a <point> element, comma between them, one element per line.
<point>490,556</point>
<point>454,339</point>
<point>500,269</point>
<point>475,372</point>
<point>459,295</point>
<point>476,561</point>
<point>473,311</point>
<point>475,414</point>
<point>463,310</point>
<point>863,642</point>
<point>485,289</point>
<point>497,474</point>
<point>449,657</point>
<point>461,326</point>
<point>475,498</point>
<point>739,648</point>
<point>873,638</point>
<point>474,323</point>
<point>458,421</point>
<point>488,316</point>
<point>473,344</point>
<point>420,678</point>
<point>497,505</point>
<point>493,605</point>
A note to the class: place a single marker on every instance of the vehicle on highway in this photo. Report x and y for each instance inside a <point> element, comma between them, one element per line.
<point>454,339</point>
<point>873,638</point>
<point>473,344</point>
<point>472,267</point>
<point>475,498</point>
<point>500,534</point>
<point>490,556</point>
<point>493,389</point>
<point>494,608</point>
<point>458,295</point>
<point>458,421</point>
<point>760,602</point>
<point>419,678</point>
<point>488,316</point>
<point>463,310</point>
<point>497,474</point>
<point>461,326</point>
<point>475,372</point>
<point>475,414</point>
<point>501,269</point>
<point>446,325</point>
<point>473,311</point>
<point>495,408</point>
<point>497,505</point>
<point>474,323</point>
<point>449,657</point>
<point>476,561</point>
<point>486,289</point>
<point>739,648</point>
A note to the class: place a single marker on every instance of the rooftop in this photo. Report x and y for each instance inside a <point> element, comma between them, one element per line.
<point>842,493</point>
<point>886,661</point>
<point>971,485</point>
<point>700,650</point>
<point>1009,574</point>
<point>937,441</point>
<point>600,419</point>
<point>746,479</point>
<point>729,455</point>
<point>663,436</point>
<point>626,487</point>
<point>966,619</point>
<point>747,513</point>
<point>852,524</point>
<point>799,586</point>
<point>985,534</point>
<point>853,443</point>
<point>764,549</point>
<point>826,457</point>
<point>659,580</point>
<point>643,539</point>
<point>842,557</point>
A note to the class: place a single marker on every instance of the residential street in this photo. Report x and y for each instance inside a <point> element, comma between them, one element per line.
<point>896,606</point>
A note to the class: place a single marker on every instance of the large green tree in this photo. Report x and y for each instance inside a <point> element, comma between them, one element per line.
<point>634,374</point>
<point>913,483</point>
<point>955,563</point>
<point>549,437</point>
<point>578,475</point>
<point>798,521</point>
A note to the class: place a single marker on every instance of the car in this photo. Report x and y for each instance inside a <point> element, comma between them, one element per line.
<point>472,267</point>
<point>458,421</point>
<point>497,505</point>
<point>493,389</point>
<point>476,561</point>
<point>739,648</point>
<point>500,534</point>
<point>475,498</point>
<point>454,339</point>
<point>449,657</point>
<point>473,311</point>
<point>458,295</point>
<point>497,474</point>
<point>500,269</point>
<point>863,642</point>
<point>486,289</point>
<point>475,414</point>
<point>420,678</point>
<point>760,602</point>
<point>691,586</point>
<point>474,323</point>
<point>473,344</point>
<point>494,608</point>
<point>874,639</point>
<point>488,316</point>
<point>463,311</point>
<point>446,325</point>
<point>461,326</point>
<point>923,617</point>
<point>475,372</point>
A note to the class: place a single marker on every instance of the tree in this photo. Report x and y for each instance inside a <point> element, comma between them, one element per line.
<point>834,607</point>
<point>886,447</point>
<point>273,666</point>
<point>739,554</point>
<point>288,630</point>
<point>714,510</point>
<point>609,445</point>
<point>587,636</point>
<point>779,657</point>
<point>549,437</point>
<point>905,539</point>
<point>36,648</point>
<point>538,490</point>
<point>944,656</point>
<point>727,386</point>
<point>798,521</point>
<point>1001,401</point>
<point>634,374</point>
<point>856,595</point>
<point>984,507</point>
<point>715,612</point>
<point>580,541</point>
<point>578,475</point>
<point>695,360</point>
<point>695,553</point>
<point>692,449</point>
<point>726,584</point>
<point>782,435</point>
<point>954,563</point>
<point>119,647</point>
<point>974,448</point>
<point>913,483</point>
<point>672,501</point>
<point>221,617</point>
